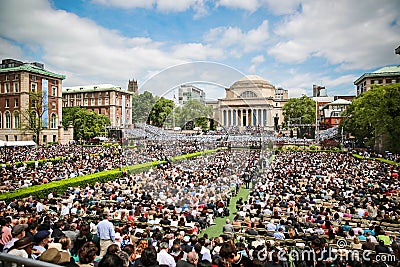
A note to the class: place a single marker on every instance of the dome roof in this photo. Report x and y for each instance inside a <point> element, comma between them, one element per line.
<point>253,78</point>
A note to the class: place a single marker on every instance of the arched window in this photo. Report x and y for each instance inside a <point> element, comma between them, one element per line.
<point>53,121</point>
<point>16,120</point>
<point>8,120</point>
<point>248,94</point>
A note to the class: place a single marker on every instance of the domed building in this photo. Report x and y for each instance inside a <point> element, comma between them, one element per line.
<point>251,101</point>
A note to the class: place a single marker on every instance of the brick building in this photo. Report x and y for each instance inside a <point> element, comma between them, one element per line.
<point>20,84</point>
<point>105,99</point>
<point>382,76</point>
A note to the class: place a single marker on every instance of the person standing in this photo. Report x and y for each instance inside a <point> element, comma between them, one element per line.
<point>106,233</point>
<point>163,257</point>
<point>228,228</point>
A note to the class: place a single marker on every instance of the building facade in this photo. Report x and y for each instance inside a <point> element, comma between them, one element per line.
<point>382,76</point>
<point>332,113</point>
<point>251,101</point>
<point>22,85</point>
<point>188,92</point>
<point>105,99</point>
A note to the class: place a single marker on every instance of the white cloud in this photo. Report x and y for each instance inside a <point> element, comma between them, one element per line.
<point>198,6</point>
<point>281,7</point>
<point>301,83</point>
<point>197,51</point>
<point>352,34</point>
<point>9,50</point>
<point>258,59</point>
<point>238,41</point>
<point>289,52</point>
<point>250,5</point>
<point>126,3</point>
<point>85,51</point>
<point>276,7</point>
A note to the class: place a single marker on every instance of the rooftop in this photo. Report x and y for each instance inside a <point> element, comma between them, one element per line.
<point>33,69</point>
<point>388,71</point>
<point>93,88</point>
<point>340,102</point>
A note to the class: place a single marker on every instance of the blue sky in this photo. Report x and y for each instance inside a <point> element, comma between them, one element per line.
<point>163,43</point>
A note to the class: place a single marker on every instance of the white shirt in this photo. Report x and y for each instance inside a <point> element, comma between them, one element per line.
<point>164,258</point>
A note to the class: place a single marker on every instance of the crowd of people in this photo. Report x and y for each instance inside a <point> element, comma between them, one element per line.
<point>77,160</point>
<point>304,209</point>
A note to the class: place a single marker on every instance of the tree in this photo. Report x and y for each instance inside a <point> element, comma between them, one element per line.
<point>300,108</point>
<point>193,114</point>
<point>33,120</point>
<point>142,105</point>
<point>87,124</point>
<point>161,109</point>
<point>374,117</point>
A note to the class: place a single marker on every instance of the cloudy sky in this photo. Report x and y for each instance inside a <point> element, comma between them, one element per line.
<point>163,43</point>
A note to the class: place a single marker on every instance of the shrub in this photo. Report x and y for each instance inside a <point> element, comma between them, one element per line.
<point>42,191</point>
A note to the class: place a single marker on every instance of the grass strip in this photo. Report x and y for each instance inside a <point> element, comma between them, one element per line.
<point>216,229</point>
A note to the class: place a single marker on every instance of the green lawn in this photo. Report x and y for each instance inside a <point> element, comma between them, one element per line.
<point>216,230</point>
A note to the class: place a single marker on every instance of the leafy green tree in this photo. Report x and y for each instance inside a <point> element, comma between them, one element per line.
<point>161,109</point>
<point>142,105</point>
<point>374,117</point>
<point>194,114</point>
<point>87,124</point>
<point>302,108</point>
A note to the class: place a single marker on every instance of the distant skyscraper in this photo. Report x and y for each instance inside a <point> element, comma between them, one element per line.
<point>189,92</point>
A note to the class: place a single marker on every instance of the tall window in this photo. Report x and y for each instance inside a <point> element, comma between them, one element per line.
<point>16,102</point>
<point>33,87</point>
<point>16,120</point>
<point>8,120</point>
<point>53,105</point>
<point>106,101</point>
<point>53,91</point>
<point>92,102</point>
<point>7,87</point>
<point>7,103</point>
<point>53,121</point>
<point>1,121</point>
<point>16,87</point>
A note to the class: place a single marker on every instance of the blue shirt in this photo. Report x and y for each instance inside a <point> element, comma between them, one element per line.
<point>279,235</point>
<point>105,230</point>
